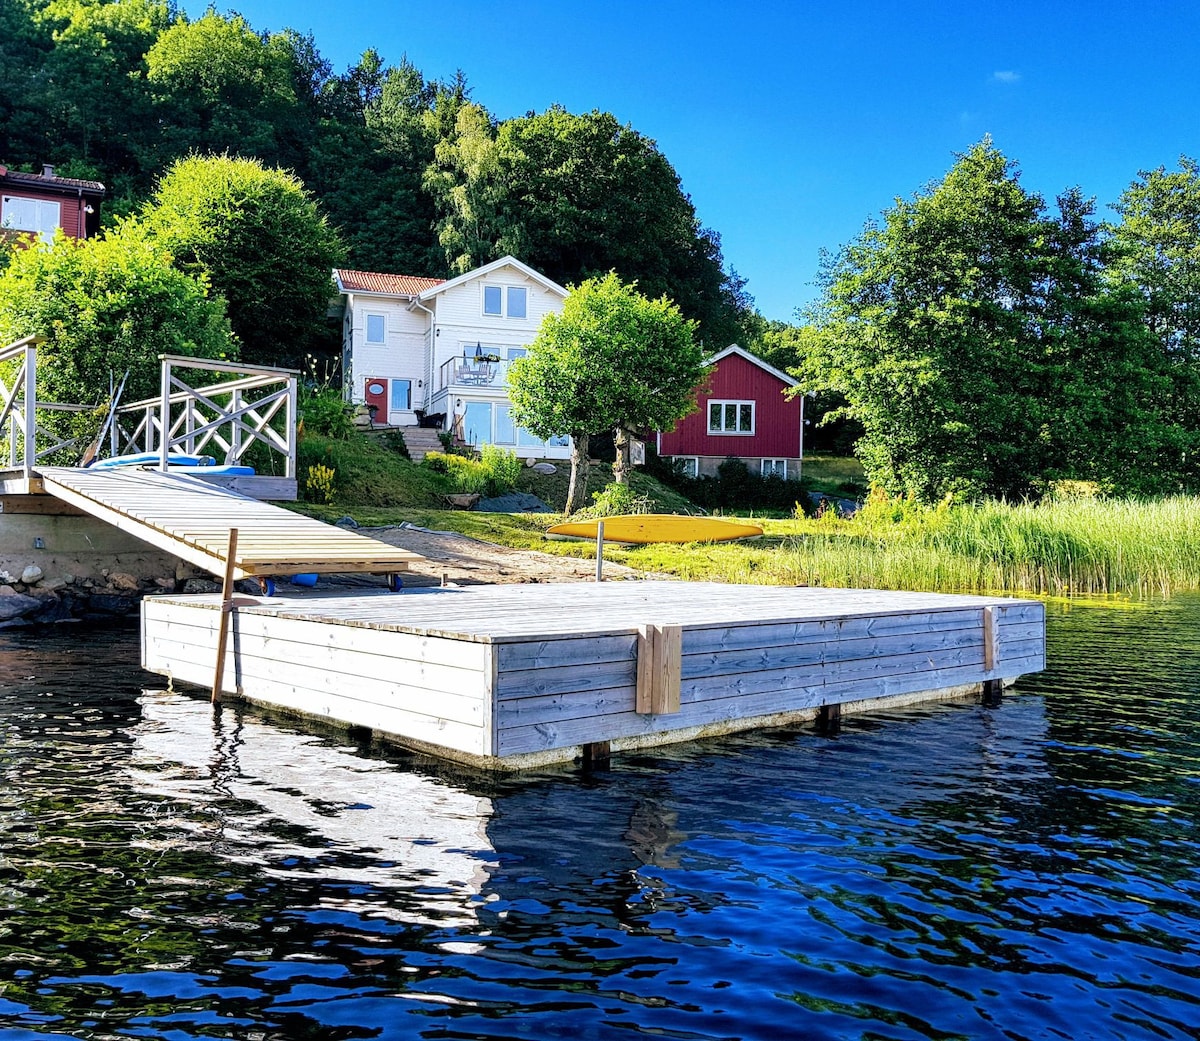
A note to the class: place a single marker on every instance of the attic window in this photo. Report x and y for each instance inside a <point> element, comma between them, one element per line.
<point>505,301</point>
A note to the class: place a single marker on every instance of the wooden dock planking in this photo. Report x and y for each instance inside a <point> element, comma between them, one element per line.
<point>518,674</point>
<point>191,519</point>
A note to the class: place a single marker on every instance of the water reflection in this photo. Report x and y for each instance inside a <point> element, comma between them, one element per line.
<point>1030,871</point>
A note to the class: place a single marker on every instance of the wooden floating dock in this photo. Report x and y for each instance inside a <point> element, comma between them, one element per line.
<point>516,676</point>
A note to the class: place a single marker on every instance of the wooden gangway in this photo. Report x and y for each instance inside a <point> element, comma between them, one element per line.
<point>191,519</point>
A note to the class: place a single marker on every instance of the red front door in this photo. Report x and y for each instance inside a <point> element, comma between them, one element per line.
<point>377,395</point>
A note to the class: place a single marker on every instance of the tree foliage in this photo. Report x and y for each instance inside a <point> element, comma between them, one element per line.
<point>974,340</point>
<point>612,360</point>
<point>107,305</point>
<point>576,196</point>
<point>258,238</point>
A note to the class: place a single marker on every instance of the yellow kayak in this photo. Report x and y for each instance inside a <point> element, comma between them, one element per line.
<point>641,528</point>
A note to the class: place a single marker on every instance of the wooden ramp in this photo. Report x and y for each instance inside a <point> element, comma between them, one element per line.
<point>191,519</point>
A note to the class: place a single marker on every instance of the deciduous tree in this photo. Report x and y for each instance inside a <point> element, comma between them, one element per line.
<point>612,360</point>
<point>106,305</point>
<point>262,243</point>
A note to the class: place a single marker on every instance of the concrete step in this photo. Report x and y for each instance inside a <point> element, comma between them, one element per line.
<point>419,440</point>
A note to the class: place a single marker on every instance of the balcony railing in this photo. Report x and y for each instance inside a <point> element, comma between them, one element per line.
<point>485,371</point>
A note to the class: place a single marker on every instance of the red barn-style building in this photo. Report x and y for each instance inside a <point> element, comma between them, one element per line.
<point>37,204</point>
<point>743,413</point>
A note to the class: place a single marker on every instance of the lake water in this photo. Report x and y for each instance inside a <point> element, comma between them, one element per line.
<point>955,871</point>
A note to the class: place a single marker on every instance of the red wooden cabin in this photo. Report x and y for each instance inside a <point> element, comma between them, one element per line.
<point>743,413</point>
<point>37,204</point>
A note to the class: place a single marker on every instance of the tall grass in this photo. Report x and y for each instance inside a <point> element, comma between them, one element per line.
<point>1081,546</point>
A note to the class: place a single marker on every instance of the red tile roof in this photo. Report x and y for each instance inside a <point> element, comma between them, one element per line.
<point>378,282</point>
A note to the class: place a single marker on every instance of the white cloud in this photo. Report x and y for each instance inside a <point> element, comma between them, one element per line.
<point>1006,76</point>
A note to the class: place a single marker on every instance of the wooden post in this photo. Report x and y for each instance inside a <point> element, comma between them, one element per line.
<point>226,608</point>
<point>829,718</point>
<point>991,638</point>
<point>659,669</point>
<point>600,551</point>
<point>596,755</point>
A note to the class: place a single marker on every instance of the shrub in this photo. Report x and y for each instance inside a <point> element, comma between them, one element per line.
<point>616,500</point>
<point>468,475</point>
<point>502,468</point>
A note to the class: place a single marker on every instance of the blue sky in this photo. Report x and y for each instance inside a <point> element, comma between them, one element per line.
<point>791,124</point>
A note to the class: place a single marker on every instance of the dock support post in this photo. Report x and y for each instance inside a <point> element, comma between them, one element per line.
<point>226,608</point>
<point>829,718</point>
<point>993,693</point>
<point>596,755</point>
<point>600,551</point>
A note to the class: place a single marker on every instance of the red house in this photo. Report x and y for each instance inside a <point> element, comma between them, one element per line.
<point>743,413</point>
<point>36,204</point>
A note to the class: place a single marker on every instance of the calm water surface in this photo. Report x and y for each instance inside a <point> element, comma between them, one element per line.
<point>1028,871</point>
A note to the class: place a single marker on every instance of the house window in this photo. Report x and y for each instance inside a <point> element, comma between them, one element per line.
<point>33,215</point>
<point>689,465</point>
<point>731,417</point>
<point>505,301</point>
<point>774,468</point>
<point>376,329</point>
<point>400,398</point>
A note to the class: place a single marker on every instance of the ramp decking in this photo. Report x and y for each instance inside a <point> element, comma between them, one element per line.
<point>191,519</point>
<point>511,676</point>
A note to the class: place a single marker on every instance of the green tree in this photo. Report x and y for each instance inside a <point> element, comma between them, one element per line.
<point>95,98</point>
<point>1156,256</point>
<point>221,87</point>
<point>612,360</point>
<point>978,343</point>
<point>576,196</point>
<point>262,243</point>
<point>106,305</point>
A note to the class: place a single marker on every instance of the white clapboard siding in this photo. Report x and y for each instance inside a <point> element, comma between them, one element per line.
<point>508,671</point>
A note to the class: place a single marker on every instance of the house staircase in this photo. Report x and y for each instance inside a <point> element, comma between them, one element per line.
<point>420,440</point>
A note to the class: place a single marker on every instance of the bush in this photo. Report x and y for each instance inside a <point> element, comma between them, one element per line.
<point>502,468</point>
<point>737,487</point>
<point>616,500</point>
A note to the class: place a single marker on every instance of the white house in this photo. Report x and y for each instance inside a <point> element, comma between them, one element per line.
<point>437,352</point>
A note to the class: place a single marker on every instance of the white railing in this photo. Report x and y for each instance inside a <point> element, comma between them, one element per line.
<point>471,371</point>
<point>257,406</point>
<point>28,442</point>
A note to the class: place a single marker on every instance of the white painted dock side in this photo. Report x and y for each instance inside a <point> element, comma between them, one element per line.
<point>512,675</point>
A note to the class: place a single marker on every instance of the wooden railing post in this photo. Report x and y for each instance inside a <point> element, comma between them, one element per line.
<point>30,416</point>
<point>164,433</point>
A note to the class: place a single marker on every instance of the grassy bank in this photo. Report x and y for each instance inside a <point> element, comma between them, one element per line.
<point>1076,546</point>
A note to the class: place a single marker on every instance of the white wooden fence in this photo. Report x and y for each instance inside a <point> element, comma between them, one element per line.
<point>254,405</point>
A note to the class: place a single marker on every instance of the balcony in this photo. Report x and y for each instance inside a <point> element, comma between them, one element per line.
<point>474,371</point>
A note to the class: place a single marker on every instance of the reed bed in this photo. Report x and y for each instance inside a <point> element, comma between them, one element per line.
<point>1069,547</point>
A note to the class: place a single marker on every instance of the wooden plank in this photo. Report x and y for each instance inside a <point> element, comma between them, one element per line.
<point>658,669</point>
<point>38,505</point>
<point>991,638</point>
<point>548,654</point>
<point>434,666</point>
<point>259,676</point>
<point>576,731</point>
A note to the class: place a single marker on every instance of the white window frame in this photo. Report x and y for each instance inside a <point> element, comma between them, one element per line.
<point>367,329</point>
<point>504,291</point>
<point>37,222</point>
<point>691,465</point>
<point>773,467</point>
<point>725,403</point>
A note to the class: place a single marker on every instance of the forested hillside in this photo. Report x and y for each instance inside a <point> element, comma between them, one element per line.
<point>414,174</point>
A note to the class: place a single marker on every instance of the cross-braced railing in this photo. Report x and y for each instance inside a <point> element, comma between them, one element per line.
<point>257,406</point>
<point>28,441</point>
